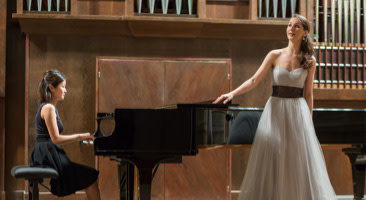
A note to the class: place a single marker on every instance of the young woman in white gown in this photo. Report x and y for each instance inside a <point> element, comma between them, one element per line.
<point>286,161</point>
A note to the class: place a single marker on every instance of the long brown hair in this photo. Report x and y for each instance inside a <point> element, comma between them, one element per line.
<point>306,47</point>
<point>51,77</point>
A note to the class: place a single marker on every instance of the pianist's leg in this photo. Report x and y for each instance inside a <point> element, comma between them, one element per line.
<point>92,192</point>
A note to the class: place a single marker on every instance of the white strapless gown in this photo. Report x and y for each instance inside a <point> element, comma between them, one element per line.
<point>286,161</point>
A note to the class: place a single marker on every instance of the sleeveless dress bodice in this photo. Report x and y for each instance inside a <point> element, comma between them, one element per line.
<point>283,77</point>
<point>41,128</point>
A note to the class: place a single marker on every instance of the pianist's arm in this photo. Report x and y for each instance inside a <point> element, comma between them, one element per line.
<point>48,113</point>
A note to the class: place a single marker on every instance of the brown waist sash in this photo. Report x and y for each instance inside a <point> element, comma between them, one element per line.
<point>287,92</point>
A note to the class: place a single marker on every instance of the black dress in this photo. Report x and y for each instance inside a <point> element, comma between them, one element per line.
<point>72,176</point>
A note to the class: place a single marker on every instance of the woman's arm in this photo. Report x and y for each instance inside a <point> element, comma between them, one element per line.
<point>308,87</point>
<point>253,81</point>
<point>48,113</point>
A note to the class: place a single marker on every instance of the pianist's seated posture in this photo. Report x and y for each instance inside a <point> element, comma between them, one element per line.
<point>48,153</point>
<point>286,161</point>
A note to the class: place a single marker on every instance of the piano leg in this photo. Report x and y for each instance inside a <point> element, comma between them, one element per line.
<point>126,180</point>
<point>145,178</point>
<point>358,174</point>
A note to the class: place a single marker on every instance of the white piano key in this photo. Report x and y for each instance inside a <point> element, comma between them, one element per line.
<point>267,8</point>
<point>58,5</point>
<point>66,6</point>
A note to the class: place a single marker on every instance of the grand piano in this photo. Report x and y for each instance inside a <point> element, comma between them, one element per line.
<point>147,137</point>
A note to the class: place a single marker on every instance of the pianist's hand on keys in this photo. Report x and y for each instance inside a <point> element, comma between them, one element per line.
<point>86,138</point>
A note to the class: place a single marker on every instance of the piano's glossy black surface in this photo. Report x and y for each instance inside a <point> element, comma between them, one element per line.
<point>146,137</point>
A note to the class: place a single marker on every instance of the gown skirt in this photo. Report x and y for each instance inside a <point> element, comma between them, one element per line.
<point>286,161</point>
<point>72,176</point>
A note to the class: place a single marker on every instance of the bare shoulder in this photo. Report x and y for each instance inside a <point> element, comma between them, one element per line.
<point>273,55</point>
<point>275,52</point>
<point>47,110</point>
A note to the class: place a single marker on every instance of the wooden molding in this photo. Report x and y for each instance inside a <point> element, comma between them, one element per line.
<point>148,26</point>
<point>340,94</point>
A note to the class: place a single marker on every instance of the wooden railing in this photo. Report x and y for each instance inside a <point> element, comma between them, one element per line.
<point>277,8</point>
<point>274,9</point>
<point>46,5</point>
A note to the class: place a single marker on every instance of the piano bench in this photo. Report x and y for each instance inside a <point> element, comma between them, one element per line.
<point>34,175</point>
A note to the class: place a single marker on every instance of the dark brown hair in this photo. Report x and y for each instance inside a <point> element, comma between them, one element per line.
<point>53,77</point>
<point>306,47</point>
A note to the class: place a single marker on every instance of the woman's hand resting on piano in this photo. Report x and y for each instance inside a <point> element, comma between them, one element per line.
<point>224,98</point>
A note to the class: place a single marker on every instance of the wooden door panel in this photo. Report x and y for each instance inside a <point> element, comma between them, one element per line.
<point>130,84</point>
<point>196,81</point>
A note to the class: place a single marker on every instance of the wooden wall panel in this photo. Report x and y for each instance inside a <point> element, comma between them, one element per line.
<point>193,81</point>
<point>108,7</point>
<point>204,176</point>
<point>227,10</point>
<point>121,84</point>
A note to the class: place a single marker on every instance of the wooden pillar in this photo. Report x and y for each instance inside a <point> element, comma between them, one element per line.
<point>201,9</point>
<point>15,112</point>
<point>19,6</point>
<point>253,9</point>
<point>129,7</point>
<point>303,7</point>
